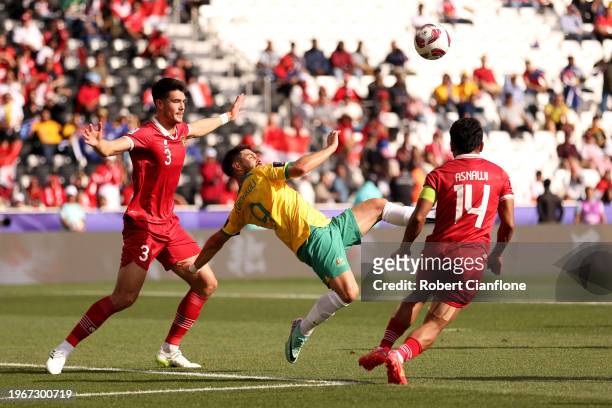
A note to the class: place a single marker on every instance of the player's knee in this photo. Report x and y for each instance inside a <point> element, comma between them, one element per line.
<point>123,300</point>
<point>348,295</point>
<point>378,204</point>
<point>206,286</point>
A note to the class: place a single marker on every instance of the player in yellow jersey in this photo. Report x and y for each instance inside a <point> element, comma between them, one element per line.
<point>266,200</point>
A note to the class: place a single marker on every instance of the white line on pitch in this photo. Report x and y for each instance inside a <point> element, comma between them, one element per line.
<point>233,295</point>
<point>181,373</point>
<point>207,389</point>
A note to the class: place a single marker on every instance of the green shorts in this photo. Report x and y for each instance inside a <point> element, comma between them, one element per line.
<point>324,250</point>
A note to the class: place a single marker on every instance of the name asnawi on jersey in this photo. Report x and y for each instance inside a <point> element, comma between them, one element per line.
<point>473,175</point>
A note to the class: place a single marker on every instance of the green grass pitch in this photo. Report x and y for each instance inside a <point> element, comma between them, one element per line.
<point>492,355</point>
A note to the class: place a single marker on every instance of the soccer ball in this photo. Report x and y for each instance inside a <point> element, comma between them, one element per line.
<point>431,41</point>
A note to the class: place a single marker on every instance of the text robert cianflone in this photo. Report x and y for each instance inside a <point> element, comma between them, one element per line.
<point>406,263</point>
<point>425,285</point>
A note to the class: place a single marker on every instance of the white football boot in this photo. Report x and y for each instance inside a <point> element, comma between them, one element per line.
<point>174,359</point>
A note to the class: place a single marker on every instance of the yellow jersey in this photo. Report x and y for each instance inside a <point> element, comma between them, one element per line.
<point>266,200</point>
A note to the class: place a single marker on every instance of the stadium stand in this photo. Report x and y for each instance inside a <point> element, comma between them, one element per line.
<point>95,60</point>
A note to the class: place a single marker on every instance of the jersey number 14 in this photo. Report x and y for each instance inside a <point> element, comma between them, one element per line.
<point>464,200</point>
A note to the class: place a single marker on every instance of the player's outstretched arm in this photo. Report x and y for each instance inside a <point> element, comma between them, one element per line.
<point>417,220</point>
<point>203,127</point>
<point>311,161</point>
<point>93,137</point>
<point>504,234</point>
<point>211,247</point>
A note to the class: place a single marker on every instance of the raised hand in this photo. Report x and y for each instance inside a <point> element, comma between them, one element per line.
<point>332,139</point>
<point>233,113</point>
<point>93,135</point>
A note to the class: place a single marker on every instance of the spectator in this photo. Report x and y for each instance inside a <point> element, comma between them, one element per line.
<point>287,71</point>
<point>401,186</point>
<point>367,191</point>
<point>341,61</point>
<point>420,19</point>
<point>572,26</point>
<point>603,25</point>
<point>48,132</point>
<point>511,86</point>
<point>200,93</point>
<point>11,115</point>
<point>485,78</point>
<point>399,97</point>
<point>28,34</point>
<point>467,93</point>
<point>158,46</point>
<point>596,131</point>
<point>590,210</point>
<point>378,92</point>
<point>555,114</point>
<point>567,150</point>
<point>10,147</point>
<point>323,112</point>
<point>268,59</point>
<point>451,15</point>
<point>605,67</point>
<point>212,178</point>
<point>344,92</point>
<point>340,184</point>
<point>437,148</point>
<point>604,187</point>
<point>323,190</point>
<point>396,56</point>
<point>537,187</point>
<point>445,96</point>
<point>101,68</point>
<point>54,195</point>
<point>572,79</point>
<point>316,62</point>
<point>88,95</point>
<point>513,118</point>
<point>230,192</point>
<point>549,206</point>
<point>360,61</point>
<point>593,156</point>
<point>72,214</point>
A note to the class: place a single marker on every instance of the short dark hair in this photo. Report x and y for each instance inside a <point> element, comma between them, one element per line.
<point>546,184</point>
<point>466,135</point>
<point>164,86</point>
<point>230,158</point>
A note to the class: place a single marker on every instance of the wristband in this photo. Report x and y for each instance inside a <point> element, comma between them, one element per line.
<point>224,118</point>
<point>192,268</point>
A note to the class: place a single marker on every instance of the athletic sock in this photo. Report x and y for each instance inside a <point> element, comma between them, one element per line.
<point>91,320</point>
<point>186,315</point>
<point>169,348</point>
<point>324,308</point>
<point>395,328</point>
<point>65,348</point>
<point>410,349</point>
<point>397,214</point>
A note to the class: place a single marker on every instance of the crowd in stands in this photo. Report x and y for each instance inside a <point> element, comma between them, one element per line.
<point>65,65</point>
<point>369,121</point>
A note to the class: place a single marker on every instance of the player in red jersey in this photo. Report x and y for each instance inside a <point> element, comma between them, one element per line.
<point>151,229</point>
<point>469,191</point>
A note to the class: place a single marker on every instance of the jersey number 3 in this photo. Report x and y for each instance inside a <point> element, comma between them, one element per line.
<point>464,200</point>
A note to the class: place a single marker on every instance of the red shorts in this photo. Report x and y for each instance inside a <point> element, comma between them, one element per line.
<point>474,253</point>
<point>143,242</point>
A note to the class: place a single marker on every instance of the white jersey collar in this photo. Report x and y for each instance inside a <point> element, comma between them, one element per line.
<point>468,156</point>
<point>163,129</point>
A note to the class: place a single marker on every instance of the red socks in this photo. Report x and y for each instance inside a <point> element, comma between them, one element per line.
<point>187,313</point>
<point>394,330</point>
<point>91,320</point>
<point>410,349</point>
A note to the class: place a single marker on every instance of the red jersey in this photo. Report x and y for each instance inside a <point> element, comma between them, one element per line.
<point>468,190</point>
<point>157,157</point>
